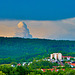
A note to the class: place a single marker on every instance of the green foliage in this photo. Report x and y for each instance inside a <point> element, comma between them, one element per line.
<point>48,72</point>
<point>1,73</point>
<point>67,65</point>
<point>13,63</point>
<point>42,64</point>
<point>20,70</point>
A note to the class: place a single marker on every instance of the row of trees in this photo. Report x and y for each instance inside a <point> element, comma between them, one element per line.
<point>42,64</point>
<point>21,70</point>
<point>35,69</point>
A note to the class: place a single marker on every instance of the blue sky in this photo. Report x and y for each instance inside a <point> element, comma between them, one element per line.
<point>50,19</point>
<point>37,9</point>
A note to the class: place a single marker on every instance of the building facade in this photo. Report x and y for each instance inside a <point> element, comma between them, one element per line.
<point>56,56</point>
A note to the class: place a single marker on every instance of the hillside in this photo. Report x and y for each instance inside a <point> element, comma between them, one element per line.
<point>27,49</point>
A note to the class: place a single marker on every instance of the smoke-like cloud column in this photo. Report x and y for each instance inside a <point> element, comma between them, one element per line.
<point>23,31</point>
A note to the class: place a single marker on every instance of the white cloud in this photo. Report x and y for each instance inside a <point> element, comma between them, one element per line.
<point>69,21</point>
<point>62,29</point>
<point>22,31</point>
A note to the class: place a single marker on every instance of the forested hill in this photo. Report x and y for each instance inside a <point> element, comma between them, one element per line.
<point>20,48</point>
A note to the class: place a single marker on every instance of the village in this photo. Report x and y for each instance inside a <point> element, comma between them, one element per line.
<point>61,60</point>
<point>55,58</point>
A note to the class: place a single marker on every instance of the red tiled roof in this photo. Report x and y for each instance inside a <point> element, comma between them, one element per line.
<point>63,69</point>
<point>55,66</point>
<point>68,62</point>
<point>73,68</point>
<point>18,64</point>
<point>67,56</point>
<point>51,69</point>
<point>43,70</point>
<point>56,70</point>
<point>73,64</point>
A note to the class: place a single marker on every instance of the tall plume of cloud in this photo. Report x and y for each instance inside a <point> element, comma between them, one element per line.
<point>22,31</point>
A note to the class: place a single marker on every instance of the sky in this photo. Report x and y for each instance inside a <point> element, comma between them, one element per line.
<point>37,9</point>
<point>51,19</point>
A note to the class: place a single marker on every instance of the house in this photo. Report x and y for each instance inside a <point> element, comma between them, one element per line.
<point>44,70</point>
<point>68,62</point>
<point>72,64</point>
<point>51,69</point>
<point>73,68</point>
<point>74,57</point>
<point>24,63</point>
<point>55,66</point>
<point>29,63</point>
<point>12,65</point>
<point>56,70</point>
<point>68,57</point>
<point>46,59</point>
<point>19,64</point>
